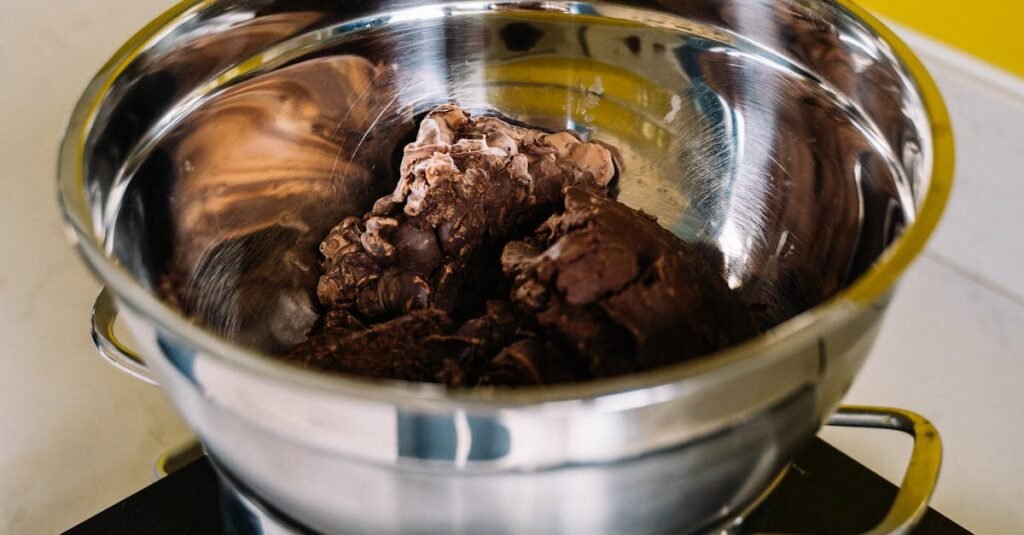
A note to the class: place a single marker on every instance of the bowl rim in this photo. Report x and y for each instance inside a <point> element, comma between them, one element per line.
<point>867,289</point>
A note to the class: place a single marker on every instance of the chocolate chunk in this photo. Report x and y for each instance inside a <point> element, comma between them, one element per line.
<point>418,251</point>
<point>465,182</point>
<point>393,349</point>
<point>340,320</point>
<point>422,345</point>
<point>601,270</point>
<point>527,362</point>
<point>476,341</point>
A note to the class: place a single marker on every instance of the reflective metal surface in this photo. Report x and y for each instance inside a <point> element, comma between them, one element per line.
<point>224,139</point>
<point>644,495</point>
<point>246,513</point>
<point>104,321</point>
<point>776,158</point>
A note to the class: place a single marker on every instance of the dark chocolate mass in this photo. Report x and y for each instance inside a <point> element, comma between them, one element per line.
<point>501,259</point>
<point>587,287</point>
<point>619,291</point>
<point>465,183</point>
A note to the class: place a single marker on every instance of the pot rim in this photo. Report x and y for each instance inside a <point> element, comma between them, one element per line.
<point>865,290</point>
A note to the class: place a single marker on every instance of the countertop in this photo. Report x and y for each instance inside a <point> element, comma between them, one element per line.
<point>76,435</point>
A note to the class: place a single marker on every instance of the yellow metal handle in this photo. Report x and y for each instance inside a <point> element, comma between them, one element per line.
<point>922,472</point>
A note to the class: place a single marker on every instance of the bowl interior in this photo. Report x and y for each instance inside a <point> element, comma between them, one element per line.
<point>784,138</point>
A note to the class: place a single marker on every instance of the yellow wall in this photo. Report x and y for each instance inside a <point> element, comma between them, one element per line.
<point>992,30</point>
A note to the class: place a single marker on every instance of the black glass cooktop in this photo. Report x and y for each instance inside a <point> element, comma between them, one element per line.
<point>825,492</point>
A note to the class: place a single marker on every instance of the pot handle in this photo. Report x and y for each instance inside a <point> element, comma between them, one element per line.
<point>104,316</point>
<point>922,471</point>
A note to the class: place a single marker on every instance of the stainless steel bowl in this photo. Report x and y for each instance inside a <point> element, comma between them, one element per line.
<point>799,138</point>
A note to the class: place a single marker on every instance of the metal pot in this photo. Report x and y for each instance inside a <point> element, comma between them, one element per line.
<point>800,139</point>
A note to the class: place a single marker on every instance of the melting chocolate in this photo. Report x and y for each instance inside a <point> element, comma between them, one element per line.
<point>499,259</point>
<point>466,182</point>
